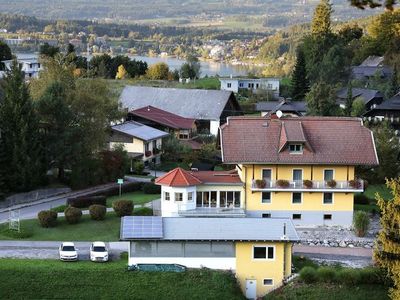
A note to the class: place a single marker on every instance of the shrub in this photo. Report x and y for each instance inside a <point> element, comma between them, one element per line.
<point>326,274</point>
<point>123,207</point>
<point>143,211</point>
<point>308,275</point>
<point>138,167</point>
<point>331,183</point>
<point>361,199</point>
<point>350,277</point>
<point>308,184</point>
<point>86,201</point>
<point>151,188</point>
<point>360,223</point>
<point>72,215</point>
<point>282,183</point>
<point>261,183</point>
<point>97,212</point>
<point>371,275</point>
<point>47,218</point>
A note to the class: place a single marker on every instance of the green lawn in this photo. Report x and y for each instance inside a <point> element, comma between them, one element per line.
<point>381,189</point>
<point>300,291</point>
<point>138,198</point>
<point>51,279</point>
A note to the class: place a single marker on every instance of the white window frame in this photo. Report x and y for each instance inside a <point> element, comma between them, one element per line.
<point>296,152</point>
<point>266,252</point>
<point>298,169</point>
<point>165,196</point>
<point>301,194</point>
<point>175,198</point>
<point>270,198</point>
<point>272,282</point>
<point>333,198</point>
<point>270,169</point>
<point>191,198</point>
<point>333,174</point>
<point>229,84</point>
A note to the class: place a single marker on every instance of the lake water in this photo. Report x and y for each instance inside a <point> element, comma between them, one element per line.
<point>208,68</point>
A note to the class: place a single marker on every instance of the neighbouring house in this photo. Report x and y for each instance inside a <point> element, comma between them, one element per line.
<point>302,168</point>
<point>140,141</point>
<point>258,251</point>
<point>236,84</point>
<point>209,108</point>
<point>370,67</point>
<point>184,129</point>
<point>30,66</point>
<point>371,98</point>
<point>286,106</point>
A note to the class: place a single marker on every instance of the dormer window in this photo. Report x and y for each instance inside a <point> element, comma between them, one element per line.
<point>296,148</point>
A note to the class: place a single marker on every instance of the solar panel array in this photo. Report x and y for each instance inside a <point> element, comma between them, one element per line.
<point>142,227</point>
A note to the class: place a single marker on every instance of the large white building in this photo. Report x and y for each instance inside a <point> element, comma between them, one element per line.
<point>236,84</point>
<point>30,66</point>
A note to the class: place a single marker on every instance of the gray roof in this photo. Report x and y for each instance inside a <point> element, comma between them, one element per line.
<point>140,131</point>
<point>366,94</point>
<point>188,103</point>
<point>373,61</point>
<point>359,72</point>
<point>212,229</point>
<point>390,104</point>
<point>284,106</point>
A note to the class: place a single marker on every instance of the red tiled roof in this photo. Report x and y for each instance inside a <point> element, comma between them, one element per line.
<point>163,117</point>
<point>179,177</point>
<point>328,140</point>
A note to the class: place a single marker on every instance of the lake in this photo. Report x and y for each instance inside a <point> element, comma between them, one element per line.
<point>208,68</point>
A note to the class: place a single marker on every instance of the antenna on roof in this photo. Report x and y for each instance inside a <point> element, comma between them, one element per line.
<point>279,114</point>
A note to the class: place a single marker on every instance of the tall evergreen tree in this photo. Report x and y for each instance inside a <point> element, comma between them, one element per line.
<point>394,86</point>
<point>321,22</point>
<point>349,100</point>
<point>321,100</point>
<point>300,84</point>
<point>19,130</point>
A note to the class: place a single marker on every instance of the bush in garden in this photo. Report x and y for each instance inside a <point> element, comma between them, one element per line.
<point>138,167</point>
<point>72,215</point>
<point>361,199</point>
<point>350,277</point>
<point>143,211</point>
<point>123,208</point>
<point>326,274</point>
<point>151,188</point>
<point>308,275</point>
<point>97,212</point>
<point>47,218</point>
<point>360,223</point>
<point>86,201</point>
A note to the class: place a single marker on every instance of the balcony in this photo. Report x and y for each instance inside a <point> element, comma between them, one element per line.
<point>217,212</point>
<point>351,186</point>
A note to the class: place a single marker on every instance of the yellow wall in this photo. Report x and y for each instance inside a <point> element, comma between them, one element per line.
<point>249,268</point>
<point>312,201</point>
<point>136,146</point>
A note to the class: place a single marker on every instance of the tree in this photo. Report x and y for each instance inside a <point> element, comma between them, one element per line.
<point>299,83</point>
<point>21,155</point>
<point>121,74</point>
<point>158,71</point>
<point>5,54</point>
<point>394,86</point>
<point>48,51</point>
<point>321,22</point>
<point>358,107</point>
<point>362,4</point>
<point>321,100</point>
<point>387,247</point>
<point>349,100</point>
<point>191,68</point>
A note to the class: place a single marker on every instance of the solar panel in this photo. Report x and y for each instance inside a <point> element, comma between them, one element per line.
<point>142,227</point>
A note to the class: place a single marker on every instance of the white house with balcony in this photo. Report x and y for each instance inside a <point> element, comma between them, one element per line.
<point>30,66</point>
<point>236,84</point>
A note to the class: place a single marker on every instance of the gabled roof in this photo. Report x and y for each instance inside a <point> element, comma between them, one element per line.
<point>298,107</point>
<point>208,229</point>
<point>163,117</point>
<point>138,130</point>
<point>179,177</point>
<point>187,103</point>
<point>362,71</point>
<point>373,61</point>
<point>331,140</point>
<point>392,104</point>
<point>366,94</point>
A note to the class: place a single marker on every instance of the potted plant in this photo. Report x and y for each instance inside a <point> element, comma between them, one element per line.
<point>355,184</point>
<point>261,183</point>
<point>331,183</point>
<point>147,153</point>
<point>282,183</point>
<point>308,184</point>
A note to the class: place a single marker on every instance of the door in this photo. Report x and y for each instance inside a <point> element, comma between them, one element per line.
<point>251,289</point>
<point>298,178</point>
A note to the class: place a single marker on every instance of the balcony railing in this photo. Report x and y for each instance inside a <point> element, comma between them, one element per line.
<point>308,185</point>
<point>212,212</point>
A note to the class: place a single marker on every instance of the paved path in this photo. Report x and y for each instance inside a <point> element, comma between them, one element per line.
<point>359,252</point>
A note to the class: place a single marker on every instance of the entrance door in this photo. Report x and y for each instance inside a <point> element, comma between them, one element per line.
<point>251,289</point>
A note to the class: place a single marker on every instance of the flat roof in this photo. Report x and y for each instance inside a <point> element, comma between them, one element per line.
<point>208,229</point>
<point>140,131</point>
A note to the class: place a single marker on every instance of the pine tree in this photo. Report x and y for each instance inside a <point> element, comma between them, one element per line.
<point>387,247</point>
<point>321,100</point>
<point>19,126</point>
<point>321,22</point>
<point>349,100</point>
<point>394,86</point>
<point>299,83</point>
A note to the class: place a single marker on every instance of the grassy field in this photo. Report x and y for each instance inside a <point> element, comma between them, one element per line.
<point>138,198</point>
<point>317,291</point>
<point>51,279</point>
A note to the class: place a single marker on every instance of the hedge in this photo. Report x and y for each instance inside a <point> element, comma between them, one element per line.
<point>123,207</point>
<point>47,218</point>
<point>86,201</point>
<point>308,275</point>
<point>72,215</point>
<point>143,211</point>
<point>97,212</point>
<point>151,188</point>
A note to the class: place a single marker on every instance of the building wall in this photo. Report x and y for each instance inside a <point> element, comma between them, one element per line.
<point>136,146</point>
<point>312,208</point>
<point>248,268</point>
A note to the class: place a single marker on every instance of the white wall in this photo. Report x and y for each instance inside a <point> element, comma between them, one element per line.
<point>233,82</point>
<point>171,208</point>
<point>214,127</point>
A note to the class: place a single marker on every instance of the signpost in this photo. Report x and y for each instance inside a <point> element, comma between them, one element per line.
<point>120,181</point>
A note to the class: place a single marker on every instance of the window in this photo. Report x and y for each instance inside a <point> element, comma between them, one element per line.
<point>199,199</point>
<point>229,85</point>
<point>257,85</point>
<point>328,198</point>
<point>38,65</point>
<point>237,199</point>
<point>166,196</point>
<point>178,197</point>
<point>298,175</point>
<point>267,174</point>
<point>328,175</point>
<point>296,148</point>
<point>241,84</point>
<point>266,215</point>
<point>222,199</point>
<point>296,216</point>
<point>266,197</point>
<point>146,147</point>
<point>296,198</point>
<point>213,199</point>
<point>263,252</point>
<point>190,196</point>
<point>328,217</point>
<point>184,134</point>
<point>268,281</point>
<point>269,86</point>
